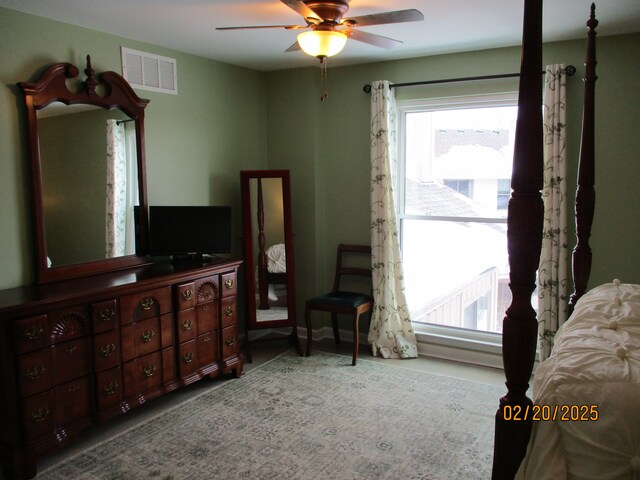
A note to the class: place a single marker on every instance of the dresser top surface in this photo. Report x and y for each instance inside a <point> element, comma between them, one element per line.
<point>112,283</point>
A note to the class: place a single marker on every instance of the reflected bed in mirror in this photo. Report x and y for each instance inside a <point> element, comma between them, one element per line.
<point>86,140</point>
<point>268,252</point>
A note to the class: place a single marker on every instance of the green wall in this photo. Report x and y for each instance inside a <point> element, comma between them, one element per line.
<point>196,141</point>
<point>227,118</point>
<point>337,151</point>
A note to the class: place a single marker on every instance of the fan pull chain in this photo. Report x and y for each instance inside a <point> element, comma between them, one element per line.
<point>323,79</point>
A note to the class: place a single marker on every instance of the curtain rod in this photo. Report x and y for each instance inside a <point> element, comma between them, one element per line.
<point>570,69</point>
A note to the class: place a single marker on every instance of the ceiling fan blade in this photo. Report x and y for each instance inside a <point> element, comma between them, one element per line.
<point>294,48</point>
<point>252,27</point>
<point>397,16</point>
<point>302,9</point>
<point>370,38</point>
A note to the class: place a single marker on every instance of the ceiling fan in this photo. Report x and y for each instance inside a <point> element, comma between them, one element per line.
<point>329,30</point>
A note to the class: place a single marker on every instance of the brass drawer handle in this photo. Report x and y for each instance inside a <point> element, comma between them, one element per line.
<point>108,350</point>
<point>229,283</point>
<point>32,332</point>
<point>106,315</point>
<point>188,357</point>
<point>229,341</point>
<point>147,335</point>
<point>186,325</point>
<point>205,308</point>
<point>71,350</point>
<point>228,311</point>
<point>110,388</point>
<point>147,303</point>
<point>40,414</point>
<point>149,370</point>
<point>207,339</point>
<point>35,372</point>
<point>187,294</point>
<point>73,389</point>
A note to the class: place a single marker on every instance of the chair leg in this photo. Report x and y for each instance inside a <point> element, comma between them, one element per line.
<point>336,330</point>
<point>307,316</point>
<point>356,317</point>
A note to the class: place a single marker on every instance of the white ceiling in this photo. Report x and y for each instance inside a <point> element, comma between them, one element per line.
<point>449,26</point>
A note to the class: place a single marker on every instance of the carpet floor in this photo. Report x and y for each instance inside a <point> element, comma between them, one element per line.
<point>308,418</point>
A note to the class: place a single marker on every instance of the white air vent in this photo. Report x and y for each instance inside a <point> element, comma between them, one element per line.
<point>147,71</point>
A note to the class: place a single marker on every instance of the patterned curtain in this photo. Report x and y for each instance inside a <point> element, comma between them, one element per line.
<point>116,190</point>
<point>552,273</point>
<point>391,334</point>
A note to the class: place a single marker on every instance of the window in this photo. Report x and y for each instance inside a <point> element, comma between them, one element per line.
<point>454,186</point>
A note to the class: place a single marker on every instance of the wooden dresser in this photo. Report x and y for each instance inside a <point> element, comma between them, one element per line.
<point>81,351</point>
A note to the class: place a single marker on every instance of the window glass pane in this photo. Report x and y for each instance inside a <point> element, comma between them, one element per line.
<point>455,159</point>
<point>456,273</point>
<point>457,184</point>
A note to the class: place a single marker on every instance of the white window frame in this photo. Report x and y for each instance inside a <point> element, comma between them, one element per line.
<point>483,348</point>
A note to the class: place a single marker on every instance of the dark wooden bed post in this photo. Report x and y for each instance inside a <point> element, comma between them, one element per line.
<point>585,192</point>
<point>262,256</point>
<point>524,240</point>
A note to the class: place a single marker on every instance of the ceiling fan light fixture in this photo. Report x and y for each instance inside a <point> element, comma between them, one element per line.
<point>322,43</point>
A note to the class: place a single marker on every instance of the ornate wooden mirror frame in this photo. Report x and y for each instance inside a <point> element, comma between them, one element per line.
<point>108,91</point>
<point>268,242</point>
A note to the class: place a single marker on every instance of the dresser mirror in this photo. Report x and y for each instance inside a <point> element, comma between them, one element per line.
<point>268,251</point>
<point>86,139</point>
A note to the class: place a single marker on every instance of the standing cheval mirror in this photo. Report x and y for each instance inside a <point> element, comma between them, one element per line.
<point>268,254</point>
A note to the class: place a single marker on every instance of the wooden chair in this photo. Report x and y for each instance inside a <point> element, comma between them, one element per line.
<point>339,301</point>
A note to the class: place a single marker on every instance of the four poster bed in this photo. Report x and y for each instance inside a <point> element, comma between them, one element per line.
<point>586,394</point>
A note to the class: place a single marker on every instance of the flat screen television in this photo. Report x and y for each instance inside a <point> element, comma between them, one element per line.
<point>188,232</point>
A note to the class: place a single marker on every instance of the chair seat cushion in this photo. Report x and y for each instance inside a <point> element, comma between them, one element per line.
<point>343,299</point>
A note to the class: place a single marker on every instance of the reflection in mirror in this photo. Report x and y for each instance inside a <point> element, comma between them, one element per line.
<point>89,183</point>
<point>268,248</point>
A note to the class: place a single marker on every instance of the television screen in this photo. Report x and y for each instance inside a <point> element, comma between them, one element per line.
<point>189,230</point>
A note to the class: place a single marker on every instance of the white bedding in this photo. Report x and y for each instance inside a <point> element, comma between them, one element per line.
<point>595,362</point>
<point>276,258</point>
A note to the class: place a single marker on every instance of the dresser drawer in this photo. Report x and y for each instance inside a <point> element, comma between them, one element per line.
<point>73,400</point>
<point>207,289</point>
<point>229,342</point>
<point>69,323</point>
<point>208,348</point>
<point>140,338</point>
<point>229,284</point>
<point>104,316</point>
<point>106,350</point>
<point>142,374</point>
<point>143,305</point>
<point>228,306</point>
<point>109,388</point>
<point>39,414</point>
<point>71,360</point>
<point>187,325</point>
<point>188,361</point>
<point>35,372</point>
<point>207,317</point>
<point>186,295</point>
<point>32,333</point>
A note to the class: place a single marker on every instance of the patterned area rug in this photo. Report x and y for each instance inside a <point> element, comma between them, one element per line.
<point>308,418</point>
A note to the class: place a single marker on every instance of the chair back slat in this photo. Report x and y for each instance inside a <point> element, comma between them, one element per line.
<point>343,251</point>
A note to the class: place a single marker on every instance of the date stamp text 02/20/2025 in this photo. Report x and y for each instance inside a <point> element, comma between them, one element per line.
<point>546,413</point>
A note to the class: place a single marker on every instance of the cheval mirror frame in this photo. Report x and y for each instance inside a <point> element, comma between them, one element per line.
<point>266,216</point>
<point>108,91</point>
